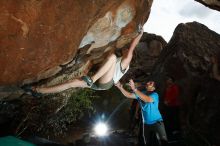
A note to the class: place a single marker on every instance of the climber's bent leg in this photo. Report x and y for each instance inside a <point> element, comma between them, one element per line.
<point>61,87</point>
<point>106,72</point>
<point>104,77</point>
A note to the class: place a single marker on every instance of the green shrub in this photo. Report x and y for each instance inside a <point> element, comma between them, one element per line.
<point>78,105</point>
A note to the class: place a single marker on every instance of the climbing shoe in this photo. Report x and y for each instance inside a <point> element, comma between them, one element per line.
<point>30,90</point>
<point>88,80</point>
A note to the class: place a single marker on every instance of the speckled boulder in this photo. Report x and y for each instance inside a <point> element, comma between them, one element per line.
<point>38,37</point>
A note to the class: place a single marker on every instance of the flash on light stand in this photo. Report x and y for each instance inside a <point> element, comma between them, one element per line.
<point>101,129</point>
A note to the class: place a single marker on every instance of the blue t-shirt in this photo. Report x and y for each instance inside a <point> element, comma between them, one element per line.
<point>149,110</point>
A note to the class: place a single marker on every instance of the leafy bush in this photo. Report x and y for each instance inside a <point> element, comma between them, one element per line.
<point>79,104</point>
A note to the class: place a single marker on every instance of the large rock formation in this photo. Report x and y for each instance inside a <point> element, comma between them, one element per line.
<point>213,4</point>
<point>57,41</point>
<point>187,59</point>
<point>39,37</point>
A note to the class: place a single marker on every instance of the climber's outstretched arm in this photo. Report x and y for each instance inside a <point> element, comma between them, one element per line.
<point>126,58</point>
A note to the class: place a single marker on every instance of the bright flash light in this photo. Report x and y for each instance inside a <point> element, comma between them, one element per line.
<point>101,129</point>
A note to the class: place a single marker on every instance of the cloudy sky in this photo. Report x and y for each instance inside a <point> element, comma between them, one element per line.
<point>167,14</point>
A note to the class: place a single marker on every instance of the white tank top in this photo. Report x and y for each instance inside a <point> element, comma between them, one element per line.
<point>118,72</point>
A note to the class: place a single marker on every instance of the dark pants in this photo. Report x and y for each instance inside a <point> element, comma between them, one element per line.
<point>155,133</point>
<point>171,119</point>
<point>134,121</point>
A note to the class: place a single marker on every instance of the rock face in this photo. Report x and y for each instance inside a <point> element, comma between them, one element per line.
<point>213,4</point>
<point>193,44</point>
<point>38,37</point>
<point>187,59</point>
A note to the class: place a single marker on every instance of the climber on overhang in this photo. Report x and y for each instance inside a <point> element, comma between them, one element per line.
<point>109,74</point>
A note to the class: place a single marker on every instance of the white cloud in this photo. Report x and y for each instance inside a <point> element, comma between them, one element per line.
<point>167,14</point>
